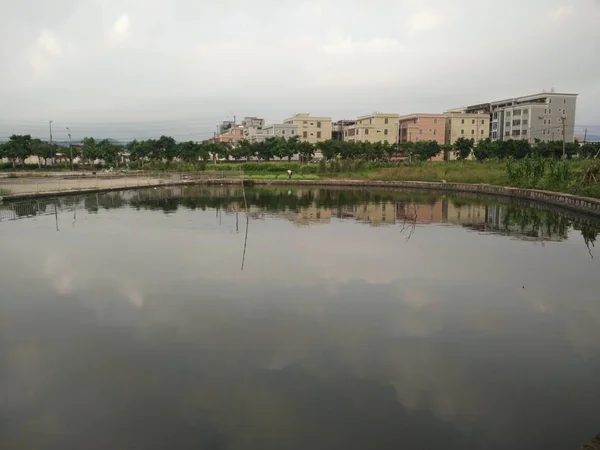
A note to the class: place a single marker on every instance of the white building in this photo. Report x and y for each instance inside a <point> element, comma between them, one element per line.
<point>541,116</point>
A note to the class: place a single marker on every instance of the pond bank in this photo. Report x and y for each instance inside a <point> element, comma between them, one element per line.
<point>580,204</point>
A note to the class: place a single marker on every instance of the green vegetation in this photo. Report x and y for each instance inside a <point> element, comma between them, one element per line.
<point>513,163</point>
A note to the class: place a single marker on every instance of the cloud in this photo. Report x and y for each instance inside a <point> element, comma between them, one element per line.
<point>424,21</point>
<point>46,49</point>
<point>562,12</point>
<point>122,26</point>
<point>133,61</point>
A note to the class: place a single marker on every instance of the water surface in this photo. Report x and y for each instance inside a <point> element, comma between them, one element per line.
<point>361,319</point>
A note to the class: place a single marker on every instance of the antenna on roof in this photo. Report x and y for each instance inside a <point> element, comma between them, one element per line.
<point>552,89</point>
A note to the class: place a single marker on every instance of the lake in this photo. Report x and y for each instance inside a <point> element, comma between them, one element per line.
<point>295,318</point>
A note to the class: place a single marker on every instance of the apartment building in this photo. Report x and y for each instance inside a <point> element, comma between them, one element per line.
<point>253,122</point>
<point>376,127</point>
<point>422,127</point>
<point>460,123</point>
<point>540,116</point>
<point>283,130</point>
<point>311,129</point>
<point>338,128</point>
<point>231,135</point>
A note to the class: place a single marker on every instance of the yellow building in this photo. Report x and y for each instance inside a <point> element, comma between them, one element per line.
<point>467,125</point>
<point>376,127</point>
<point>311,129</point>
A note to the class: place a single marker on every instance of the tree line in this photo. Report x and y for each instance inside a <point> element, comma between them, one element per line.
<point>20,147</point>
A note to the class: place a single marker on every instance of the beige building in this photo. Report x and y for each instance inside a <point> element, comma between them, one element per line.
<point>460,123</point>
<point>311,129</point>
<point>376,127</point>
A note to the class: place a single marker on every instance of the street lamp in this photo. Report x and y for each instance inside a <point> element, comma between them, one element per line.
<point>70,148</point>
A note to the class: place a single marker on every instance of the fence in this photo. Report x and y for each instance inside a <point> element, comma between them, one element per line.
<point>25,184</point>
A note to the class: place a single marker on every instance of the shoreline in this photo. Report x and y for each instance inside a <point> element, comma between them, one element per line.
<point>576,203</point>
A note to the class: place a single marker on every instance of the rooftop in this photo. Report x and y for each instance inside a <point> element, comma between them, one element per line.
<point>532,97</point>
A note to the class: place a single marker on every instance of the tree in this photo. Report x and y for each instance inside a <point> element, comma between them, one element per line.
<point>484,149</point>
<point>189,151</point>
<point>90,150</point>
<point>306,151</point>
<point>329,149</point>
<point>424,150</point>
<point>42,150</point>
<point>167,148</point>
<point>463,147</point>
<point>18,148</point>
<point>108,152</point>
<point>390,150</point>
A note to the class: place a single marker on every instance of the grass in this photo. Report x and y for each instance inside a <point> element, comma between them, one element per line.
<point>273,176</point>
<point>490,172</point>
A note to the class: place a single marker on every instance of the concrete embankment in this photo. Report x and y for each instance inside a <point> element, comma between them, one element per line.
<point>572,202</point>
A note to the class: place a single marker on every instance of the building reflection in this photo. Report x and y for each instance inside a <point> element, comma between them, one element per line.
<point>313,206</point>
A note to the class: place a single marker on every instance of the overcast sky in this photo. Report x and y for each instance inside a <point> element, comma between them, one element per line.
<point>141,68</point>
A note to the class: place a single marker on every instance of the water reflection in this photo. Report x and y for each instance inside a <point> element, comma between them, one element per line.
<point>136,329</point>
<point>303,207</point>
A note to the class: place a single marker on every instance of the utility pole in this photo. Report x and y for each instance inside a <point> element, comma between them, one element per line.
<point>585,136</point>
<point>51,147</point>
<point>70,148</point>
<point>563,119</point>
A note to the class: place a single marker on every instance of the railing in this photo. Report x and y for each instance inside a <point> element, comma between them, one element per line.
<point>49,183</point>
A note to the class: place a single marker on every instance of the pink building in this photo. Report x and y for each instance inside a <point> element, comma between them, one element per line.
<point>234,134</point>
<point>422,127</point>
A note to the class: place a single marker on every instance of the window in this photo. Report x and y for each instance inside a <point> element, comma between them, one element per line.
<point>549,121</point>
<point>507,133</point>
<point>495,126</point>
<point>435,131</point>
<point>312,134</point>
<point>544,121</point>
<point>549,100</point>
<point>282,131</point>
<point>494,135</point>
<point>495,115</point>
<point>318,124</point>
<point>525,121</point>
<point>517,112</point>
<point>420,130</point>
<point>525,111</point>
<point>385,131</point>
<point>318,134</point>
<point>516,122</point>
<point>366,131</point>
<point>435,121</point>
<point>473,122</point>
<point>482,121</point>
<point>516,132</point>
<point>462,131</point>
<point>386,120</point>
<point>312,123</point>
<point>462,121</point>
<point>507,113</point>
<point>472,131</point>
<point>370,121</point>
<point>508,124</point>
<point>524,132</point>
<point>481,132</point>
<point>305,123</point>
<point>564,101</point>
<point>304,134</point>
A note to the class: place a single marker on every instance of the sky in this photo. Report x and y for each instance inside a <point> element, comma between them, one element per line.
<point>142,68</point>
